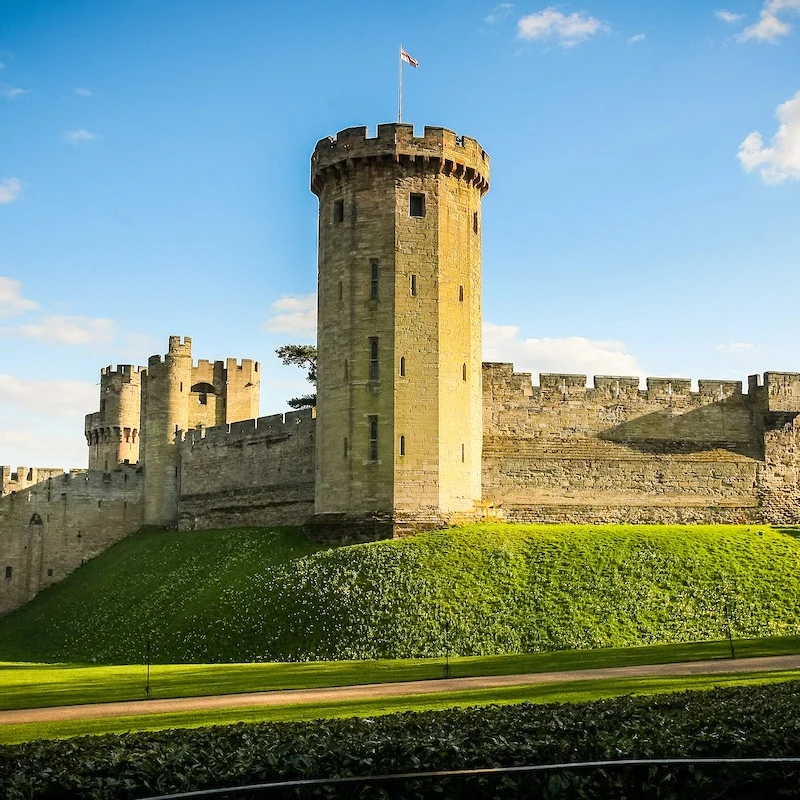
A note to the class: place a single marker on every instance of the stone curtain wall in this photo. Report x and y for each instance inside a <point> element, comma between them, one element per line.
<point>257,472</point>
<point>562,452</point>
<point>49,527</point>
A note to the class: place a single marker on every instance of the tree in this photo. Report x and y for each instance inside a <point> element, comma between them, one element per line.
<point>305,357</point>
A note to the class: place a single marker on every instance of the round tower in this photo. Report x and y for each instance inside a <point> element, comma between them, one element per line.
<point>166,387</point>
<point>399,427</point>
<point>112,433</point>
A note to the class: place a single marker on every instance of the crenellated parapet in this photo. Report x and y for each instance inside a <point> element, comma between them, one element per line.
<point>437,150</point>
<point>275,425</point>
<point>24,477</point>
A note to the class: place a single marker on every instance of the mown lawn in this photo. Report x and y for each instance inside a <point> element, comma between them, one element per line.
<point>40,685</point>
<point>252,595</point>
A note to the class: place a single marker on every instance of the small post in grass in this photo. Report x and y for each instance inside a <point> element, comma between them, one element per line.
<point>147,685</point>
<point>446,648</point>
<point>727,612</point>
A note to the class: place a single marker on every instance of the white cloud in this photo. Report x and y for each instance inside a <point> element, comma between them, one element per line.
<point>500,11</point>
<point>10,189</point>
<point>573,354</point>
<point>735,347</point>
<point>11,92</point>
<point>728,16</point>
<point>83,92</point>
<point>79,136</point>
<point>65,330</point>
<point>297,316</point>
<point>770,27</point>
<point>636,38</point>
<point>11,300</point>
<point>781,160</point>
<point>566,29</point>
<point>56,398</point>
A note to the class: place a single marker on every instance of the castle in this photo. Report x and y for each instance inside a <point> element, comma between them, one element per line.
<point>411,430</point>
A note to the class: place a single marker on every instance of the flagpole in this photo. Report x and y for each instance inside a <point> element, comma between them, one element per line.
<point>400,85</point>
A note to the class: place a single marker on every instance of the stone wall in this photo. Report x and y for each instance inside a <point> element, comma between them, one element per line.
<point>52,522</point>
<point>562,452</point>
<point>257,472</point>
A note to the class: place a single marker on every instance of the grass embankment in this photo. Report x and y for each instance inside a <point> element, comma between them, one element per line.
<point>256,595</point>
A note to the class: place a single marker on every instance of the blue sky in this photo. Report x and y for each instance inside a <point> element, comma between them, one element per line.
<point>643,216</point>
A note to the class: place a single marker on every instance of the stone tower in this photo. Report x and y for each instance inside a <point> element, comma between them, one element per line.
<point>178,396</point>
<point>112,433</point>
<point>399,330</point>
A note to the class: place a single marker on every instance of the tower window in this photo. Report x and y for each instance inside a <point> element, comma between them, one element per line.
<point>463,372</point>
<point>416,207</point>
<point>413,283</point>
<point>402,366</point>
<point>474,221</point>
<point>373,283</point>
<point>9,570</point>
<point>373,358</point>
<point>402,446</point>
<point>373,437</point>
<point>346,370</point>
<point>460,294</point>
<point>102,408</point>
<point>463,454</point>
<point>338,211</point>
<point>341,292</point>
<point>345,449</point>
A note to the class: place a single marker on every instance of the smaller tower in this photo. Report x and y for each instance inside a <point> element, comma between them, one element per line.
<point>112,433</point>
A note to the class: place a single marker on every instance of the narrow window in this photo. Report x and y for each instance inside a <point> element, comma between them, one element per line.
<point>373,358</point>
<point>416,207</point>
<point>462,454</point>
<point>463,372</point>
<point>373,283</point>
<point>49,573</point>
<point>8,572</point>
<point>346,370</point>
<point>341,292</point>
<point>475,222</point>
<point>373,437</point>
<point>402,445</point>
<point>402,366</point>
<point>338,211</point>
<point>181,387</point>
<point>344,447</point>
<point>460,294</point>
<point>102,408</point>
<point>413,285</point>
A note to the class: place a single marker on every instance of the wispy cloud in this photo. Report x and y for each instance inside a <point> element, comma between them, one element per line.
<point>728,16</point>
<point>572,354</point>
<point>10,189</point>
<point>770,26</point>
<point>781,160</point>
<point>11,300</point>
<point>296,315</point>
<point>83,92</point>
<point>59,398</point>
<point>499,12</point>
<point>636,38</point>
<point>735,348</point>
<point>67,330</point>
<point>566,30</point>
<point>80,136</point>
<point>11,92</point>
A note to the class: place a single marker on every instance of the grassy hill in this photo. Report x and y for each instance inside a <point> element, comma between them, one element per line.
<point>269,594</point>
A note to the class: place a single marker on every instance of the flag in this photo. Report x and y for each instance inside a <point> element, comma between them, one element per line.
<point>408,59</point>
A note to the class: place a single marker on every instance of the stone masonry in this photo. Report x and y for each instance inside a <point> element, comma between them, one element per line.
<point>410,430</point>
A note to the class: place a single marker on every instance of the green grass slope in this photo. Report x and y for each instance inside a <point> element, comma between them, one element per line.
<point>258,594</point>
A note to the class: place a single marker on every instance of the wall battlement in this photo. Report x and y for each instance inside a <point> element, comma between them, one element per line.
<point>438,148</point>
<point>273,425</point>
<point>23,477</point>
<point>127,372</point>
<point>622,387</point>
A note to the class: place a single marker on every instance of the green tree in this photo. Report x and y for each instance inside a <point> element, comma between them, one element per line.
<point>305,357</point>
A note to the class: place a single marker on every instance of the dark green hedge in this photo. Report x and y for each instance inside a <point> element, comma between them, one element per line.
<point>738,722</point>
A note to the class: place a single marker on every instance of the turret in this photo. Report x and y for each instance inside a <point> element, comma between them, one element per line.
<point>399,329</point>
<point>112,433</point>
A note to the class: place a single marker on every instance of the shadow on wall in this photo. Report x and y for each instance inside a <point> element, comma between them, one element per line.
<point>727,424</point>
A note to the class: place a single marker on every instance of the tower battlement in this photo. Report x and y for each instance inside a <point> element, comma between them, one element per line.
<point>127,372</point>
<point>437,149</point>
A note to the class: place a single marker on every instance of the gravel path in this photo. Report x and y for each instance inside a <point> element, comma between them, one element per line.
<point>377,690</point>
